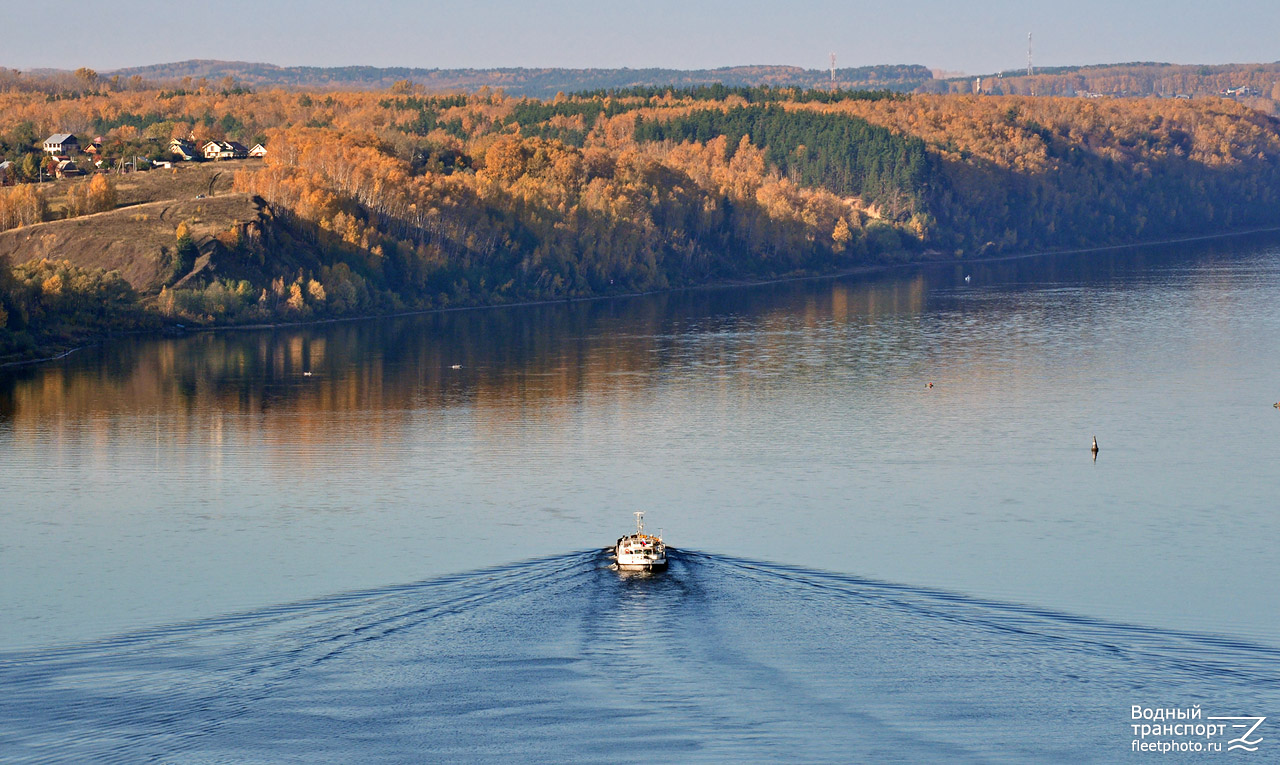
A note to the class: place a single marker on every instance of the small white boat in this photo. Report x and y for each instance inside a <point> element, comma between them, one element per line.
<point>640,551</point>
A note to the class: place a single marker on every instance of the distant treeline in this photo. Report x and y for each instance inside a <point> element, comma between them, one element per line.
<point>1257,84</point>
<point>765,94</point>
<point>517,81</point>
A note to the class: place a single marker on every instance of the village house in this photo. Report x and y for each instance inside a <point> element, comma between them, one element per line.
<point>216,150</point>
<point>258,151</point>
<point>61,144</point>
<point>224,150</point>
<point>67,169</point>
<point>184,150</point>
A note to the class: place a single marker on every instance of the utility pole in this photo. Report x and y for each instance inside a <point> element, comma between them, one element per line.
<point>833,69</point>
<point>1030,69</point>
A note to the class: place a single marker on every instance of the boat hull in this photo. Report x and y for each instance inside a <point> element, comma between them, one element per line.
<point>657,565</point>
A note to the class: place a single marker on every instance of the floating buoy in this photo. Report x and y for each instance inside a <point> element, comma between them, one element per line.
<point>930,385</point>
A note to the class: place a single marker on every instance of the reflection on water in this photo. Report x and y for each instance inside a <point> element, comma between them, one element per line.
<point>154,481</point>
<point>504,359</point>
<point>512,358</point>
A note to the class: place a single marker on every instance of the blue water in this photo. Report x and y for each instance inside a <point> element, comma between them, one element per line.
<point>327,543</point>
<point>563,659</point>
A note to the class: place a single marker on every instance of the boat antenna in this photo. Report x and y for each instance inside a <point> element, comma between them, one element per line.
<point>639,521</point>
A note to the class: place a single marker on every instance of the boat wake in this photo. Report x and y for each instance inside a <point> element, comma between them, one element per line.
<point>563,659</point>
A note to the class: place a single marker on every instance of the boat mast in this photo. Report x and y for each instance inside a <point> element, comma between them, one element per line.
<point>639,521</point>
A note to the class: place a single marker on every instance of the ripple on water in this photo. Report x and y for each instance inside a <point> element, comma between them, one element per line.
<point>564,659</point>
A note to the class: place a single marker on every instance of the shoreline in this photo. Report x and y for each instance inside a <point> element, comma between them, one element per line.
<point>862,270</point>
<point>56,357</point>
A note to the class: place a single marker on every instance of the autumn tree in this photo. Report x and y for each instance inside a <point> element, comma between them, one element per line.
<point>87,77</point>
<point>21,205</point>
<point>841,235</point>
<point>183,257</point>
<point>101,194</point>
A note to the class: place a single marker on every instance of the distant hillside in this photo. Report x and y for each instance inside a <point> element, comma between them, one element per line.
<point>538,83</point>
<point>1256,84</point>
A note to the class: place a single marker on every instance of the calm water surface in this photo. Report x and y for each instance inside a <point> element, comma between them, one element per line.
<point>864,562</point>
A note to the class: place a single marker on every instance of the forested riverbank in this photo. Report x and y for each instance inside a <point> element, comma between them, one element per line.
<point>370,203</point>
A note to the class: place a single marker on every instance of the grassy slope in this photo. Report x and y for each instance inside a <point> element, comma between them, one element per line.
<point>129,239</point>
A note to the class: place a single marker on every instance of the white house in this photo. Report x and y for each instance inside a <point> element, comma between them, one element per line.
<point>224,150</point>
<point>259,151</point>
<point>61,144</point>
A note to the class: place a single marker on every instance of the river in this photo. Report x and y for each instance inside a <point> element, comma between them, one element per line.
<point>370,539</point>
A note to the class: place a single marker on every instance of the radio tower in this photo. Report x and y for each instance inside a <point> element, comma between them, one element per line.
<point>833,68</point>
<point>1030,69</point>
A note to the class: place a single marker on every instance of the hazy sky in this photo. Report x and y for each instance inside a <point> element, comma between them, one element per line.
<point>973,37</point>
